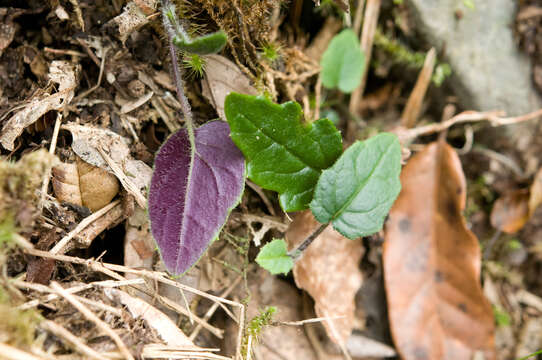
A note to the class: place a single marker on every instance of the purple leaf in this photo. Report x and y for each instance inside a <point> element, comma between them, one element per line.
<point>187,208</point>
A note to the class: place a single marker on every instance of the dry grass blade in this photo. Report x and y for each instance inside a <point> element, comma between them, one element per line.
<point>92,317</point>
<point>370,21</point>
<point>11,353</point>
<point>61,246</point>
<point>110,270</point>
<point>413,108</point>
<point>78,345</point>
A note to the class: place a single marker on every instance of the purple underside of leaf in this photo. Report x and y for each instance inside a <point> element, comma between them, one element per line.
<point>188,210</point>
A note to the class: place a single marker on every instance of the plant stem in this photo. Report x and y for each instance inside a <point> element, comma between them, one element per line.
<point>296,253</point>
<point>172,25</point>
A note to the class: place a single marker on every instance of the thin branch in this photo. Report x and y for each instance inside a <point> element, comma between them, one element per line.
<point>496,118</point>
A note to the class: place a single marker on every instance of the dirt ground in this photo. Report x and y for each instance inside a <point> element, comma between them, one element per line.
<point>86,100</point>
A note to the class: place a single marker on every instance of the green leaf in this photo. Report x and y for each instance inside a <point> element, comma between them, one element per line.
<point>357,192</point>
<point>343,62</point>
<point>274,258</point>
<point>283,155</point>
<point>203,45</point>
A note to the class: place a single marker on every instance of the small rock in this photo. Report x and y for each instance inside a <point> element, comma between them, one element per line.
<point>489,71</point>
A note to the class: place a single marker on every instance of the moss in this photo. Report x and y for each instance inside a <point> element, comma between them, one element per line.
<point>195,64</point>
<point>255,326</point>
<point>400,54</point>
<point>17,327</point>
<point>18,184</point>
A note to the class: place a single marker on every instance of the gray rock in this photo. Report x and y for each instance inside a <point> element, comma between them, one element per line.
<point>489,71</point>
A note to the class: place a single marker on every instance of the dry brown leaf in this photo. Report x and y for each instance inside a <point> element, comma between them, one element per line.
<point>432,264</point>
<point>511,211</point>
<point>7,29</point>
<point>330,266</point>
<point>134,16</point>
<point>60,72</point>
<point>535,198</point>
<point>160,322</point>
<point>222,77</point>
<point>514,209</point>
<point>83,184</point>
<point>275,342</point>
<point>88,142</point>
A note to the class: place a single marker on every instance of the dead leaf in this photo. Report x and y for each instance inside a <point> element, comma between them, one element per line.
<point>90,143</point>
<point>160,322</point>
<point>60,72</point>
<point>432,264</point>
<point>535,198</point>
<point>530,338</point>
<point>134,16</point>
<point>275,342</point>
<point>40,269</point>
<point>328,267</point>
<point>511,211</point>
<point>222,77</point>
<point>83,184</point>
<point>7,28</point>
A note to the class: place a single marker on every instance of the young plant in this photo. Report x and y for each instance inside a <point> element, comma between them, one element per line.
<point>198,175</point>
<point>353,191</point>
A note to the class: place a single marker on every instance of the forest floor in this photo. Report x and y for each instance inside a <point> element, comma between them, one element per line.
<point>86,100</point>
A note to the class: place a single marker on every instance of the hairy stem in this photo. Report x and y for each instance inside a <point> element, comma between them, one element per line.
<point>173,26</point>
<point>296,253</point>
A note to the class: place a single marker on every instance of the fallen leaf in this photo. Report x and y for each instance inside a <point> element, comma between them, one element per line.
<point>40,269</point>
<point>134,16</point>
<point>328,267</point>
<point>275,342</point>
<point>160,322</point>
<point>7,28</point>
<point>221,78</point>
<point>60,72</point>
<point>530,338</point>
<point>432,264</point>
<point>83,184</point>
<point>535,198</point>
<point>511,211</point>
<point>90,143</point>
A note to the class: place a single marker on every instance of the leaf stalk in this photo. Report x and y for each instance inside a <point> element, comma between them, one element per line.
<point>173,28</point>
<point>296,253</point>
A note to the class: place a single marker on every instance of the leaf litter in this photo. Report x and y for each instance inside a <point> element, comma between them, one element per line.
<point>117,125</point>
